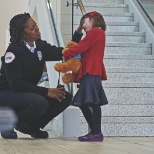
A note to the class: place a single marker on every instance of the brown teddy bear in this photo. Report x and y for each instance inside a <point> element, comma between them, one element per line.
<point>72,64</point>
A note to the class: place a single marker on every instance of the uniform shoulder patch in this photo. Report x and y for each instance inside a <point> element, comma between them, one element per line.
<point>9,57</point>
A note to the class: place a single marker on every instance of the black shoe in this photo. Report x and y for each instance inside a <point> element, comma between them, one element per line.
<point>36,133</point>
<point>9,134</point>
<point>39,134</point>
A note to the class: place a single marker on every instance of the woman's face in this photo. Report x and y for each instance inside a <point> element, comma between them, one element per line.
<point>31,31</point>
<point>87,24</point>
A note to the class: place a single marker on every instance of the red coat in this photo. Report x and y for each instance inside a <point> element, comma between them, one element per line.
<point>91,49</point>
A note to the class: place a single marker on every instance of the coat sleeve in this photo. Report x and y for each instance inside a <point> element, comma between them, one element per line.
<point>83,46</point>
<point>53,53</point>
<point>13,72</point>
<point>77,37</point>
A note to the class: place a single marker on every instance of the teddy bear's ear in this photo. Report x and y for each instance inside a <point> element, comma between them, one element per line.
<point>63,51</point>
<point>71,44</point>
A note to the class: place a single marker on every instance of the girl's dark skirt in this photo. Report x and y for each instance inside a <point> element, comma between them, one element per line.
<point>90,92</point>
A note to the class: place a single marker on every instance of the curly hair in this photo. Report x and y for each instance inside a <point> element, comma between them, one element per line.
<point>17,25</point>
<point>97,18</point>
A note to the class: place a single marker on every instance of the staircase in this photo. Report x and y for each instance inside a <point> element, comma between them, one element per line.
<point>130,70</point>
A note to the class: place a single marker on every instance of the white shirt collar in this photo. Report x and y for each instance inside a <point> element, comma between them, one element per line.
<point>32,49</point>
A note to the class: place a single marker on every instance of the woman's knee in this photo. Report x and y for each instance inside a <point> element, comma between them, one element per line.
<point>39,105</point>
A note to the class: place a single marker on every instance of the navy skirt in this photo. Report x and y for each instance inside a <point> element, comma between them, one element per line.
<point>90,92</point>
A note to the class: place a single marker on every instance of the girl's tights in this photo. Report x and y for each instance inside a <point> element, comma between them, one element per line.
<point>93,118</point>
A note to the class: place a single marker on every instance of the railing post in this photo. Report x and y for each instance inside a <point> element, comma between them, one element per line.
<point>72,16</point>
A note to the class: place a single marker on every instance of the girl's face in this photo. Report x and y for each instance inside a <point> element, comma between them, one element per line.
<point>31,31</point>
<point>87,24</point>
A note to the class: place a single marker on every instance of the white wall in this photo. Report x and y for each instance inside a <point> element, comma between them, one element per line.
<point>9,8</point>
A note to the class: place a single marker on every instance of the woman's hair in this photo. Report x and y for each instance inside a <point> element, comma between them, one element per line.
<point>97,18</point>
<point>17,25</point>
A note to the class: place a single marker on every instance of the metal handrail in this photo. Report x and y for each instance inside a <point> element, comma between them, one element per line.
<point>80,4</point>
<point>145,12</point>
<point>54,24</point>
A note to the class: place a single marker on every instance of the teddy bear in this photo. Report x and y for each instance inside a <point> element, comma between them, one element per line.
<point>72,65</point>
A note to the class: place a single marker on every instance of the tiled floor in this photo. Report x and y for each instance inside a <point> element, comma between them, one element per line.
<point>58,145</point>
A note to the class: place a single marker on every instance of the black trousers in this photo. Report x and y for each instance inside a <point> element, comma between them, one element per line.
<point>32,108</point>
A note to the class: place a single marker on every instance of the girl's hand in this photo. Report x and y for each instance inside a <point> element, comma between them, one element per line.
<point>57,93</point>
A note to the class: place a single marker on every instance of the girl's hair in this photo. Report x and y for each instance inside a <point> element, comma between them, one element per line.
<point>97,18</point>
<point>17,25</point>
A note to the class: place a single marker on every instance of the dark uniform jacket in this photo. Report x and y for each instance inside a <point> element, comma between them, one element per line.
<point>21,69</point>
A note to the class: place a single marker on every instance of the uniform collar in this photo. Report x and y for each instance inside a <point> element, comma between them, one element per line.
<point>32,49</point>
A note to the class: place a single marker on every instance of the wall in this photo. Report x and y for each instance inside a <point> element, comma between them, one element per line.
<point>9,8</point>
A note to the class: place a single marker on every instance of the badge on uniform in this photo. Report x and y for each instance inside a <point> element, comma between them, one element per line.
<point>39,54</point>
<point>9,57</point>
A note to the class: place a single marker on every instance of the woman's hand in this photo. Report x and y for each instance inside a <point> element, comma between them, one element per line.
<point>57,93</point>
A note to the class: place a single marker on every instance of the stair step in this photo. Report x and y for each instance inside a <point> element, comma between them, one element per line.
<point>106,5</point>
<point>131,37</point>
<point>145,61</point>
<point>129,70</point>
<point>125,33</point>
<point>122,27</point>
<point>103,8</point>
<point>103,1</point>
<point>118,17</point>
<point>126,14</point>
<point>123,126</point>
<point>130,77</point>
<point>128,48</point>
<point>128,110</point>
<point>129,102</point>
<point>128,85</point>
<point>122,23</point>
<point>135,57</point>
<point>115,27</point>
<point>119,44</point>
<point>114,17</point>
<point>134,37</point>
<point>138,120</point>
<point>129,92</point>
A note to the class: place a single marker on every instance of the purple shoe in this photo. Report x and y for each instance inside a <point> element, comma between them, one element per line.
<point>91,138</point>
<point>80,137</point>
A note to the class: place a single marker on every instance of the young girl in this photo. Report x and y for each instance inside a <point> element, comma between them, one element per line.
<point>92,71</point>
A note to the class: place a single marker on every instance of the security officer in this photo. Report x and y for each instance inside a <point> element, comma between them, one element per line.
<point>21,70</point>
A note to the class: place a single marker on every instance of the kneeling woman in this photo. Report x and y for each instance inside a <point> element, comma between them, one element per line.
<point>21,70</point>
